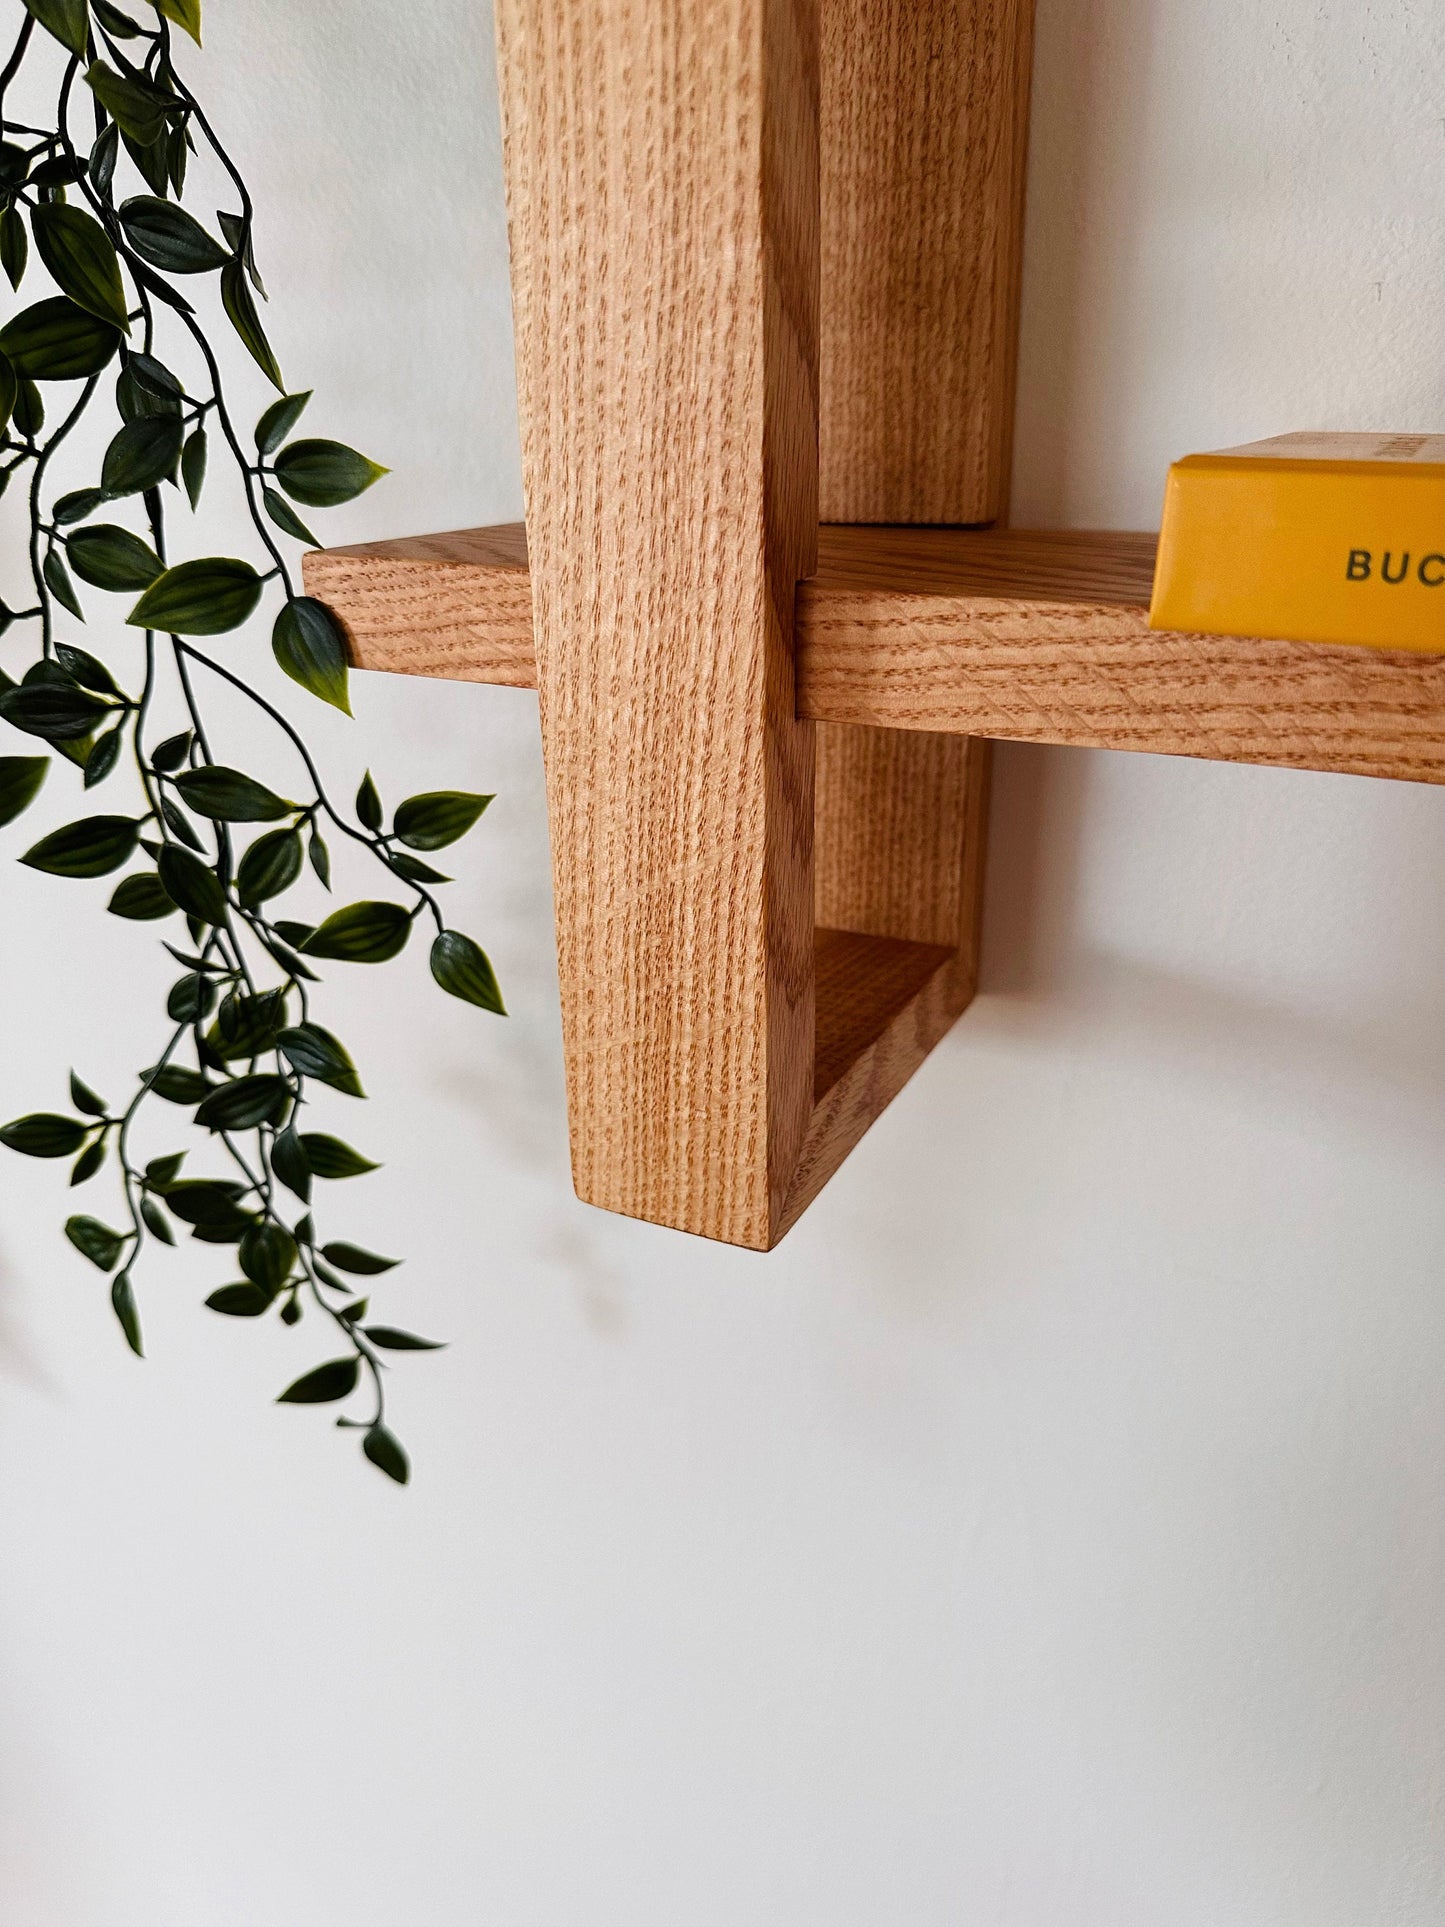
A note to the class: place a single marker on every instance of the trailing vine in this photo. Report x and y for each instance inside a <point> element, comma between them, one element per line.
<point>139,282</point>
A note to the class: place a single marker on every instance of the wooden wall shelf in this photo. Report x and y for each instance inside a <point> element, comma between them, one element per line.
<point>765,278</point>
<point>1020,637</point>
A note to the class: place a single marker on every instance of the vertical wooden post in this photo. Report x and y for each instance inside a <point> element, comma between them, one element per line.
<point>662,176</point>
<point>924,145</point>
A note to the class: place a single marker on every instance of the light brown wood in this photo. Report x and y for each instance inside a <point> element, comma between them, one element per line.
<point>457,605</point>
<point>925,131</point>
<point>662,178</point>
<point>1045,638</point>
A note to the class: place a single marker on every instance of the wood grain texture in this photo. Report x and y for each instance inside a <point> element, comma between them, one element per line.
<point>888,860</point>
<point>662,178</point>
<point>1035,638</point>
<point>924,147</point>
<point>457,605</point>
<point>883,1050</point>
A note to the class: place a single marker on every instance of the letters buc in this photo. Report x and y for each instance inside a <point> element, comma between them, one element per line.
<point>1361,568</point>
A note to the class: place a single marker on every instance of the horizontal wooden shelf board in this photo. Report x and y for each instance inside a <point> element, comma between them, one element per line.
<point>863,985</point>
<point>1033,637</point>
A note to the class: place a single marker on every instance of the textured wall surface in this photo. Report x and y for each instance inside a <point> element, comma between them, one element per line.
<point>1052,1534</point>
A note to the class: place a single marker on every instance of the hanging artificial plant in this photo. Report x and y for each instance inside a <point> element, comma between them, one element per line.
<point>141,287</point>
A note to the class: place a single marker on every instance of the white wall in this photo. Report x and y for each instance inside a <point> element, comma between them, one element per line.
<point>1052,1534</point>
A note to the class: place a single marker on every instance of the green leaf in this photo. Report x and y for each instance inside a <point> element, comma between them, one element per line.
<point>179,1086</point>
<point>278,421</point>
<point>95,1241</point>
<point>243,1103</point>
<point>268,1252</point>
<point>185,13</point>
<point>77,505</point>
<point>288,1161</point>
<point>192,884</point>
<point>309,647</point>
<point>66,19</point>
<point>190,1000</point>
<point>391,1340</point>
<point>320,857</point>
<point>86,669</point>
<point>81,261</point>
<point>29,416</point>
<point>314,1052</point>
<point>61,170</point>
<point>43,1135</point>
<point>156,1221</point>
<point>463,969</point>
<point>59,712</point>
<point>269,867</point>
<point>153,378</point>
<point>137,106</point>
<point>241,1301</point>
<point>368,804</point>
<point>142,899</point>
<point>54,340</point>
<point>172,753</point>
<point>202,598</point>
<point>365,1264</point>
<point>14,245</point>
<point>58,581</point>
<point>326,1383</point>
<point>286,518</point>
<point>361,933</point>
<point>193,464</point>
<point>230,796</point>
<point>103,156</point>
<point>142,454</point>
<point>88,1163</point>
<point>103,757</point>
<point>109,557</point>
<point>384,1450</point>
<point>92,847</point>
<point>21,778</point>
<point>412,869</point>
<point>85,1099</point>
<point>122,1300</point>
<point>324,474</point>
<point>208,1201</point>
<point>328,1157</point>
<point>236,295</point>
<point>248,1025</point>
<point>118,25</point>
<point>169,238</point>
<point>161,1173</point>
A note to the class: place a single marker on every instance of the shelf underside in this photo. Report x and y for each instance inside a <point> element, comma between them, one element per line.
<point>1004,634</point>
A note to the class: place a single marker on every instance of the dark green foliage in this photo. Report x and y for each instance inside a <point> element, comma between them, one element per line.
<point>308,646</point>
<point>97,1241</point>
<point>43,1135</point>
<point>90,848</point>
<point>143,899</point>
<point>57,341</point>
<point>168,238</point>
<point>112,558</point>
<point>440,817</point>
<point>81,260</point>
<point>361,933</point>
<point>322,1386</point>
<point>94,210</point>
<point>465,970</point>
<point>21,778</point>
<point>323,475</point>
<point>386,1451</point>
<point>203,598</point>
<point>230,796</point>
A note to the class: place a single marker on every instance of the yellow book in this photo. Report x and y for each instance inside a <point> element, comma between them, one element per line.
<point>1308,538</point>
